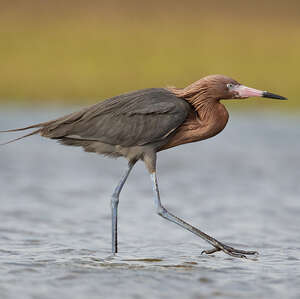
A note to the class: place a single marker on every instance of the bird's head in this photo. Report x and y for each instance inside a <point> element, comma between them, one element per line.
<point>222,87</point>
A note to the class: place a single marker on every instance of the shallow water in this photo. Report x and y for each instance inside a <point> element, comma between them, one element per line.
<point>242,187</point>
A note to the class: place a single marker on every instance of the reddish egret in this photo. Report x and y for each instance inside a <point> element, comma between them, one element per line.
<point>139,124</point>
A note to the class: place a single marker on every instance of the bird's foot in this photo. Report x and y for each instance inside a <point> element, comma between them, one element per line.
<point>230,251</point>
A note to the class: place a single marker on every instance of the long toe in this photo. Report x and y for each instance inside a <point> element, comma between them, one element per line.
<point>213,250</point>
<point>231,251</point>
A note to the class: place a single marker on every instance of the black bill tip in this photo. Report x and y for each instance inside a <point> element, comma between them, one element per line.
<point>272,96</point>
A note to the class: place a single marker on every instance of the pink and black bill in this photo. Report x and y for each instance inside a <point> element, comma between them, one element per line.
<point>242,91</point>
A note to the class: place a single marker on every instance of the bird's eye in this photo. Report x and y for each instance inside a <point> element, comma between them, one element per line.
<point>229,85</point>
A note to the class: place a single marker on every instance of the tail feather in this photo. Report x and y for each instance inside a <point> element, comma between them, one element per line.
<point>44,127</point>
<point>16,139</point>
<point>26,128</point>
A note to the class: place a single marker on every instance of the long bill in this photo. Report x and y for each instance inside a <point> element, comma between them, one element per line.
<point>246,92</point>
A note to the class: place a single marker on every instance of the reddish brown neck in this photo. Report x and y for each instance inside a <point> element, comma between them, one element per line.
<point>208,118</point>
<point>198,95</point>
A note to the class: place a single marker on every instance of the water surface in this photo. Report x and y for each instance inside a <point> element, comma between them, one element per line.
<point>242,187</point>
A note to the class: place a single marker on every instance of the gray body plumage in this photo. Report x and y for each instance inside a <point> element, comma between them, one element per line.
<point>128,125</point>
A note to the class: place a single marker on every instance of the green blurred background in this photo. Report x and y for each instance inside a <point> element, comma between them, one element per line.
<point>79,52</point>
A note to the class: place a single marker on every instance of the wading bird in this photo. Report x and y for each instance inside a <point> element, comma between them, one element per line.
<point>139,124</point>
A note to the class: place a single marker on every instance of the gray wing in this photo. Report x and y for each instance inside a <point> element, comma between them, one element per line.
<point>137,118</point>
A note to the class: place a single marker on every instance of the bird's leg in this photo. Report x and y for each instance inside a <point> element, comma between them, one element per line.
<point>215,243</point>
<point>114,207</point>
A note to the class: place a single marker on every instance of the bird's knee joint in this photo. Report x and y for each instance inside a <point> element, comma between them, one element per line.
<point>114,200</point>
<point>161,211</point>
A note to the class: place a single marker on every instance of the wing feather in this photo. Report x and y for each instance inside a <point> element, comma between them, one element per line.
<point>132,119</point>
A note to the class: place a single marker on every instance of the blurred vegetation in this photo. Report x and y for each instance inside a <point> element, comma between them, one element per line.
<point>70,52</point>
